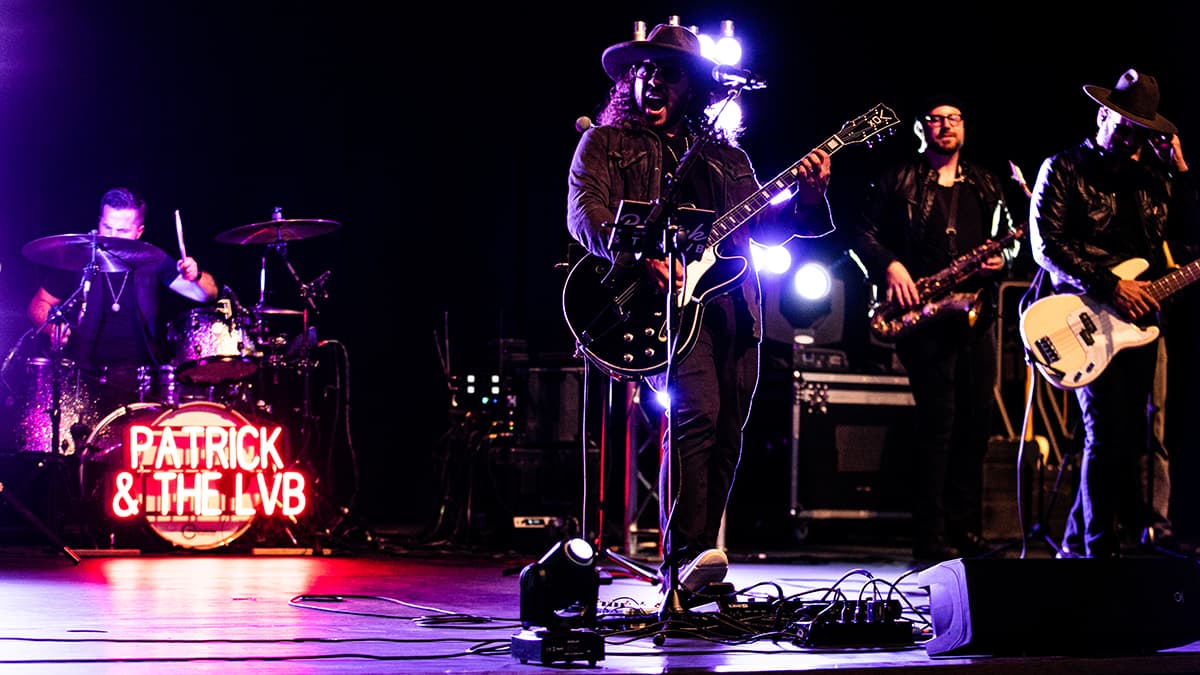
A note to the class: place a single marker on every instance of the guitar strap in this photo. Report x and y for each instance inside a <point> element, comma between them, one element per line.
<point>951,215</point>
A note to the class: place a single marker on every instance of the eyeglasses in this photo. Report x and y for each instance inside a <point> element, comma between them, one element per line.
<point>948,120</point>
<point>670,73</point>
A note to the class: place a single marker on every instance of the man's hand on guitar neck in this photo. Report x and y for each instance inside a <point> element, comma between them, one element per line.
<point>1133,299</point>
<point>813,177</point>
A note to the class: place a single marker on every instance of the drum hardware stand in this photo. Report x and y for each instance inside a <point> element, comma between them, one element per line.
<point>310,292</point>
<point>11,499</point>
<point>56,318</point>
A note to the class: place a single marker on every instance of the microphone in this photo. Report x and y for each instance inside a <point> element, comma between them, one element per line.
<point>87,290</point>
<point>233,300</point>
<point>583,123</point>
<point>743,78</point>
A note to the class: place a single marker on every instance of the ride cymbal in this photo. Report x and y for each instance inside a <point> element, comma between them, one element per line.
<point>75,251</point>
<point>274,231</point>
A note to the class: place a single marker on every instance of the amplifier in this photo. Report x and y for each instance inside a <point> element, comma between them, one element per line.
<point>848,456</point>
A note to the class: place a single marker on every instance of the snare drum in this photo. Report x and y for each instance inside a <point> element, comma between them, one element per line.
<point>77,404</point>
<point>212,345</point>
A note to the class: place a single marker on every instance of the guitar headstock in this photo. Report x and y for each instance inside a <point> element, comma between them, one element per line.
<point>1019,178</point>
<point>869,127</point>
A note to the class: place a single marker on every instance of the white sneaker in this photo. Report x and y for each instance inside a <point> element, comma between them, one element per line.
<point>707,568</point>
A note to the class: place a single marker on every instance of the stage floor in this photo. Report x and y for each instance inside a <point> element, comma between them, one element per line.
<point>400,606</point>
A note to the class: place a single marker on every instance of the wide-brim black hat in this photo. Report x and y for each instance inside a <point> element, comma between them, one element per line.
<point>1136,98</point>
<point>665,41</point>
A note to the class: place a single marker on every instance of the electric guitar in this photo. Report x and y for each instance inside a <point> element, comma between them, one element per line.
<point>622,327</point>
<point>1073,337</point>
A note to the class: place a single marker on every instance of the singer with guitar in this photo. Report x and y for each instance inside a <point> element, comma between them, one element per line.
<point>923,216</point>
<point>653,143</point>
<point>1099,214</point>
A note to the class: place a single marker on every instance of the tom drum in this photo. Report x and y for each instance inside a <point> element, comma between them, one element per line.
<point>212,345</point>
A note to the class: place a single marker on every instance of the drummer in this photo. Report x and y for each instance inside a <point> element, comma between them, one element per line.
<point>120,328</point>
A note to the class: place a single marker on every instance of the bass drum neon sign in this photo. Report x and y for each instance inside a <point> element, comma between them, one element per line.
<point>198,473</point>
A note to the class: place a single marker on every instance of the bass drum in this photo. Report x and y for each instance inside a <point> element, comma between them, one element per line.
<point>109,459</point>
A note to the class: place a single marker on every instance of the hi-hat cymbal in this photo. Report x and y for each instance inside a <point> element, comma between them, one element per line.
<point>75,252</point>
<point>267,309</point>
<point>274,231</point>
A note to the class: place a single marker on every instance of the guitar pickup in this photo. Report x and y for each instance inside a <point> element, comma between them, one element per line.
<point>1089,328</point>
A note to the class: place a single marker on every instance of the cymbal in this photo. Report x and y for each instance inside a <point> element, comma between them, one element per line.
<point>274,231</point>
<point>74,252</point>
<point>267,309</point>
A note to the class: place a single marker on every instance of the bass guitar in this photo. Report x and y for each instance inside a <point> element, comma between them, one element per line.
<point>622,328</point>
<point>1073,337</point>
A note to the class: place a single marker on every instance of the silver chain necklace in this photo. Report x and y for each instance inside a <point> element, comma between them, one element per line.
<point>116,305</point>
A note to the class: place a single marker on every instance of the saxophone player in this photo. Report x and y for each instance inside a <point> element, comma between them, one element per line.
<point>919,217</point>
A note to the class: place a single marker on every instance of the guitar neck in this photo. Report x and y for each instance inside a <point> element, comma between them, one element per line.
<point>1176,280</point>
<point>771,190</point>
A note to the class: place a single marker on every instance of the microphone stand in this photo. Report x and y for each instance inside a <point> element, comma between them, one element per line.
<point>677,245</point>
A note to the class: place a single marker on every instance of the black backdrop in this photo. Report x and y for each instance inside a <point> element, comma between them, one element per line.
<point>440,140</point>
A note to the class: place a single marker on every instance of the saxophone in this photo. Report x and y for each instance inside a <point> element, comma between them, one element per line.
<point>890,321</point>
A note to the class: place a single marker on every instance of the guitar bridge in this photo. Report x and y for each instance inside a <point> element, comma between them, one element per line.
<point>1046,348</point>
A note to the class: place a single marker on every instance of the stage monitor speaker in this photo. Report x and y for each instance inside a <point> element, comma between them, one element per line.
<point>1045,606</point>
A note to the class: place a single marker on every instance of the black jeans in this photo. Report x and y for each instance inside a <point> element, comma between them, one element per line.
<point>951,368</point>
<point>1115,410</point>
<point>711,391</point>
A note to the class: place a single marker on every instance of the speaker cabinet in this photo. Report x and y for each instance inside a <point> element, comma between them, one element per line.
<point>1083,607</point>
<point>850,434</point>
<point>548,405</point>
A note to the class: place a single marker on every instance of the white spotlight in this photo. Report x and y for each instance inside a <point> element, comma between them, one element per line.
<point>812,281</point>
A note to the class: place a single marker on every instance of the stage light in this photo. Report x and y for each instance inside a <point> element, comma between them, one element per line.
<point>663,399</point>
<point>812,281</point>
<point>770,259</point>
<point>727,50</point>
<point>727,113</point>
<point>560,590</point>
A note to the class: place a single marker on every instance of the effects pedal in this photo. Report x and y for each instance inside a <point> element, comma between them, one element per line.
<point>861,623</point>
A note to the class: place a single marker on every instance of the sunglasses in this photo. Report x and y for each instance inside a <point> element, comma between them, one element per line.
<point>670,73</point>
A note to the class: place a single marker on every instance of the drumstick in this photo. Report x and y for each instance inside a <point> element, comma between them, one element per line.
<point>179,233</point>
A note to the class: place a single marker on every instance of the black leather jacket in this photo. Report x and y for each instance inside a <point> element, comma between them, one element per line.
<point>611,164</point>
<point>1074,230</point>
<point>897,208</point>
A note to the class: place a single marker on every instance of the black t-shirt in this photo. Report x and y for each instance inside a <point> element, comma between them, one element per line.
<point>937,251</point>
<point>116,329</point>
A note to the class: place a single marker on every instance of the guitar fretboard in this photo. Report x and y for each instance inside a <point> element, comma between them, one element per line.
<point>1175,280</point>
<point>873,122</point>
<point>738,215</point>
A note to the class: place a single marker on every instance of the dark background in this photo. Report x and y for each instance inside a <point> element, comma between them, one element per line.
<point>439,140</point>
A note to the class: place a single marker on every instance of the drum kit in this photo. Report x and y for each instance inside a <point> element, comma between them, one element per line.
<point>217,348</point>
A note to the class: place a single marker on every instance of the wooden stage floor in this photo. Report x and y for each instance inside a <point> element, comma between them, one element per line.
<point>397,607</point>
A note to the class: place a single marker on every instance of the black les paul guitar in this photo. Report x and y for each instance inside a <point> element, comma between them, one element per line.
<point>623,328</point>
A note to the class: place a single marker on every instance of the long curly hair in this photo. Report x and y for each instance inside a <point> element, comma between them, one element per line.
<point>622,110</point>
